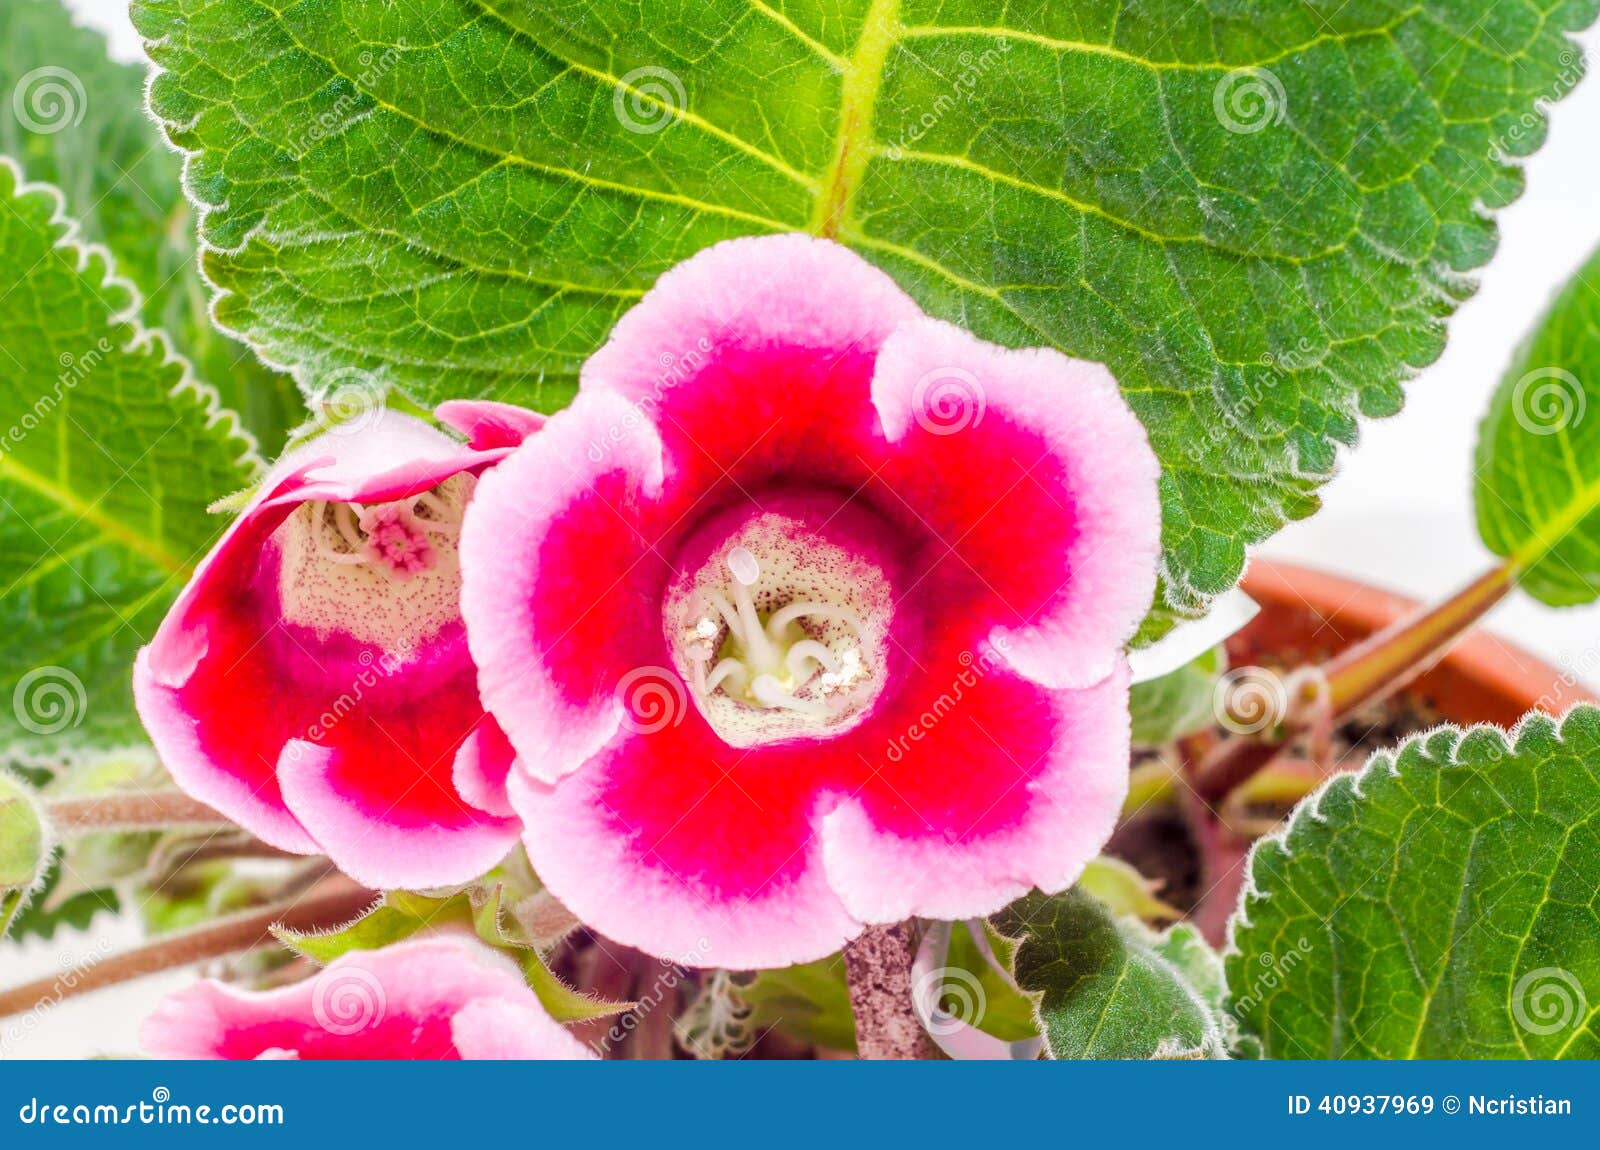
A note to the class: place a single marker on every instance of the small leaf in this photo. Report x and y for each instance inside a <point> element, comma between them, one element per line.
<point>809,1003</point>
<point>391,921</point>
<point>1111,988</point>
<point>1538,462</point>
<point>402,914</point>
<point>1177,704</point>
<point>1125,891</point>
<point>1439,904</point>
<point>24,843</point>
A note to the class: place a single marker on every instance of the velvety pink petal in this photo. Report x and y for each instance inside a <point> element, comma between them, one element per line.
<point>415,835</point>
<point>489,425</point>
<point>1038,484</point>
<point>491,1029</point>
<point>1015,787</point>
<point>243,785</point>
<point>673,844</point>
<point>397,1003</point>
<point>558,575</point>
<point>754,360</point>
<point>482,763</point>
<point>968,786</point>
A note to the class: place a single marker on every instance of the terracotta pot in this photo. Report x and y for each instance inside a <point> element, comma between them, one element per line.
<point>1307,616</point>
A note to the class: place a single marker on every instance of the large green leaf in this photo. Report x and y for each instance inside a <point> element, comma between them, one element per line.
<point>76,119</point>
<point>1538,463</point>
<point>109,452</point>
<point>1257,213</point>
<point>1440,904</point>
<point>1109,987</point>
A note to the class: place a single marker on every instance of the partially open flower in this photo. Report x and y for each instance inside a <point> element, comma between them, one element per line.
<point>809,613</point>
<point>437,998</point>
<point>313,681</point>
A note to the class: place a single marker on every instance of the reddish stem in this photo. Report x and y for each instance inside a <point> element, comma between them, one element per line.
<point>149,810</point>
<point>1372,669</point>
<point>336,905</point>
<point>878,965</point>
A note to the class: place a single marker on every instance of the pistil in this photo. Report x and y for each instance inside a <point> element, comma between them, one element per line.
<point>767,663</point>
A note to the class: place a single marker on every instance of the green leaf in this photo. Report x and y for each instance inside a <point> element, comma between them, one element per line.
<point>1538,460</point>
<point>1179,703</point>
<point>76,119</point>
<point>809,1003</point>
<point>402,914</point>
<point>108,455</point>
<point>1257,214</point>
<point>974,991</point>
<point>24,849</point>
<point>1440,904</point>
<point>1111,988</point>
<point>1124,891</point>
<point>24,843</point>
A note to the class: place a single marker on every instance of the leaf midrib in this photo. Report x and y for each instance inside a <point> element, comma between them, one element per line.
<point>1550,534</point>
<point>91,513</point>
<point>858,98</point>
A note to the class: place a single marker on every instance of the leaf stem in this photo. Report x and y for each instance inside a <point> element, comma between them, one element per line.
<point>336,904</point>
<point>878,966</point>
<point>142,810</point>
<point>1372,669</point>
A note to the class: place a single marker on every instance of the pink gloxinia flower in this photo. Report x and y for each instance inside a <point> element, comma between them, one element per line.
<point>809,613</point>
<point>437,998</point>
<point>313,682</point>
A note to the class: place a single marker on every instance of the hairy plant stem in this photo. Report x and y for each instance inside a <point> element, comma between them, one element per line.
<point>140,810</point>
<point>878,966</point>
<point>1372,669</point>
<point>338,902</point>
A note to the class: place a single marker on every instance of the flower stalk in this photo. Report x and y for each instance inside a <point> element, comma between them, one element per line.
<point>1376,667</point>
<point>142,810</point>
<point>878,968</point>
<point>338,903</point>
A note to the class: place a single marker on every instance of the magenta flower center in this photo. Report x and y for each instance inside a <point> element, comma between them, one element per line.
<point>386,573</point>
<point>779,633</point>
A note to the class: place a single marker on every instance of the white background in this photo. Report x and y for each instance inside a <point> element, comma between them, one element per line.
<point>1399,514</point>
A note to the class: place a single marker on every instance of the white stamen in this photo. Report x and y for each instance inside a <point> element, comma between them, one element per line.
<point>813,650</point>
<point>319,537</point>
<point>781,619</point>
<point>770,693</point>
